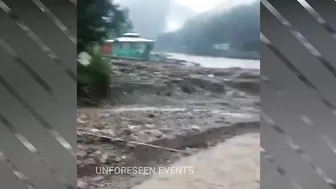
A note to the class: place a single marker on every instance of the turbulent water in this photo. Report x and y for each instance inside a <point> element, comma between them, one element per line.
<point>212,62</point>
<point>230,165</point>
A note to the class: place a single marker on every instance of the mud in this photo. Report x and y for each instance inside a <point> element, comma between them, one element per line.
<point>181,110</point>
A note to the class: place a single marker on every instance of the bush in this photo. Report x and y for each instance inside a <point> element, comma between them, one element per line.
<point>94,79</point>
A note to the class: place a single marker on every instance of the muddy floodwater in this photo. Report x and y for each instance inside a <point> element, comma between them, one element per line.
<point>159,115</point>
<point>212,62</point>
<point>234,164</point>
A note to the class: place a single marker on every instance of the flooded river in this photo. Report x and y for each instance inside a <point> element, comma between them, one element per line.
<point>212,62</point>
<point>233,164</point>
<point>179,120</point>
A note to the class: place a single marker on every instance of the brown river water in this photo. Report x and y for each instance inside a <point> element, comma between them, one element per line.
<point>212,62</point>
<point>234,164</point>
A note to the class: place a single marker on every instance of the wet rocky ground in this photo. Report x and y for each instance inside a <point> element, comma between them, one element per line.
<point>158,114</point>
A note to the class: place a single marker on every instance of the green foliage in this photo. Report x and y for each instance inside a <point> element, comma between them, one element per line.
<point>94,80</point>
<point>97,19</point>
<point>98,71</point>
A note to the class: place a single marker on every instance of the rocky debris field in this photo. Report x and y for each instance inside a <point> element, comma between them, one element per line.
<point>169,82</point>
<point>158,114</point>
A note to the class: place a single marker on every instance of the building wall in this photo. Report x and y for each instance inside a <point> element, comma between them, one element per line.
<point>130,50</point>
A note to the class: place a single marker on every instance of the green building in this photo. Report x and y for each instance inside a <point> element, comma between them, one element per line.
<point>130,45</point>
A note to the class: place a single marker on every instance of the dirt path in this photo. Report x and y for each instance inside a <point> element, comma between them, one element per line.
<point>234,164</point>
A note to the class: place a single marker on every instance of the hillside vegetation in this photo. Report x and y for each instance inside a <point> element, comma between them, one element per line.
<point>238,27</point>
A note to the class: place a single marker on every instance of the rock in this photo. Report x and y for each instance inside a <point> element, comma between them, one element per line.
<point>90,161</point>
<point>126,132</point>
<point>81,153</point>
<point>166,130</point>
<point>251,86</point>
<point>80,121</point>
<point>81,184</point>
<point>187,87</point>
<point>230,94</point>
<point>104,158</point>
<point>103,123</point>
<point>168,94</point>
<point>149,126</point>
<point>207,83</point>
<point>97,153</point>
<point>151,115</point>
<point>175,79</point>
<point>190,115</point>
<point>131,137</point>
<point>110,132</point>
<point>154,133</point>
<point>133,127</point>
<point>196,128</point>
<point>117,159</point>
<point>249,75</point>
<point>94,130</point>
<point>220,121</point>
<point>80,163</point>
<point>105,115</point>
<point>97,178</point>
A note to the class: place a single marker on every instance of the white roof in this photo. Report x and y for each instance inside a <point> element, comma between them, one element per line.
<point>130,39</point>
<point>131,35</point>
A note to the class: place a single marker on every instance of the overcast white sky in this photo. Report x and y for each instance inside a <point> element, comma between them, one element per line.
<point>174,18</point>
<point>202,6</point>
<point>205,5</point>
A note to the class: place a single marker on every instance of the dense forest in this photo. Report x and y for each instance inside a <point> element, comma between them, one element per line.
<point>238,28</point>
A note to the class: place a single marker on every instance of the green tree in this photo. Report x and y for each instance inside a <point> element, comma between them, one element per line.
<point>96,19</point>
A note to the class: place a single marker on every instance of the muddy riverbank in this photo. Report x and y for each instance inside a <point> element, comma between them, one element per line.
<point>159,113</point>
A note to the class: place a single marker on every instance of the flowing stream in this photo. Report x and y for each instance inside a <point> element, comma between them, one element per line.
<point>212,62</point>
